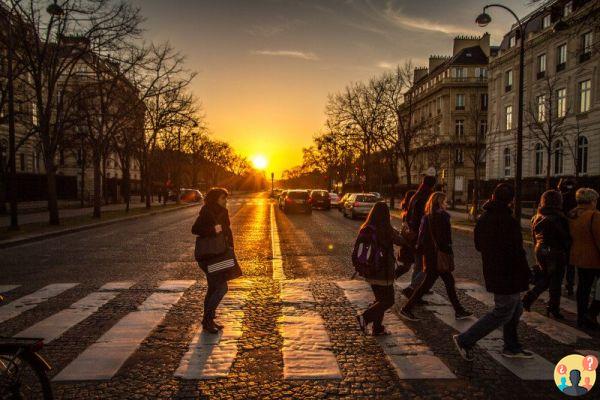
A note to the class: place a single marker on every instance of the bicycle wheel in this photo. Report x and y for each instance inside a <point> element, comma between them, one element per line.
<point>23,378</point>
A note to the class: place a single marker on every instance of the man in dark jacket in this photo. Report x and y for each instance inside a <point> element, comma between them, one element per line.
<point>498,237</point>
<point>567,188</point>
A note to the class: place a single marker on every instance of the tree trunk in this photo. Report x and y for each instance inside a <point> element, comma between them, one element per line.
<point>3,193</point>
<point>475,200</point>
<point>548,169</point>
<point>126,187</point>
<point>82,191</point>
<point>97,159</point>
<point>407,168</point>
<point>394,171</point>
<point>53,216</point>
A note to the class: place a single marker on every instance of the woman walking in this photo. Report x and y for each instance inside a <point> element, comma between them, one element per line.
<point>379,227</point>
<point>584,223</point>
<point>406,256</point>
<point>435,246</point>
<point>550,232</point>
<point>214,232</point>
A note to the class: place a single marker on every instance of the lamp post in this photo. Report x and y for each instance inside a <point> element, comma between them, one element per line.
<point>482,20</point>
<point>12,156</point>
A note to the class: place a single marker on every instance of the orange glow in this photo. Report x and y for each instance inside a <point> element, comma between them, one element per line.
<point>260,162</point>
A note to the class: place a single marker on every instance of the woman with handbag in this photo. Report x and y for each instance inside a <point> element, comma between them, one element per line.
<point>434,244</point>
<point>214,253</point>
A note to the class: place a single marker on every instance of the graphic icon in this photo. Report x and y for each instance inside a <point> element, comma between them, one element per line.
<point>575,374</point>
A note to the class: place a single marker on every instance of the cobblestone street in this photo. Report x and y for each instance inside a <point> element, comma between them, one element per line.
<point>120,309</point>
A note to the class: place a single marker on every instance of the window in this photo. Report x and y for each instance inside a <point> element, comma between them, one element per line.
<point>561,102</point>
<point>582,155</point>
<point>568,9</point>
<point>541,108</point>
<point>539,159</point>
<point>460,101</point>
<point>512,41</point>
<point>459,128</point>
<point>586,47</point>
<point>561,57</point>
<point>508,118</point>
<point>34,114</point>
<point>508,80</point>
<point>482,128</point>
<point>480,72</point>
<point>484,101</point>
<point>585,95</point>
<point>507,162</point>
<point>546,21</point>
<point>459,72</point>
<point>558,157</point>
<point>541,66</point>
<point>459,156</point>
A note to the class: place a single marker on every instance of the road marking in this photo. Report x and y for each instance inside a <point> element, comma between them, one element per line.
<point>555,330</point>
<point>103,359</point>
<point>175,285</point>
<point>54,326</point>
<point>210,356</point>
<point>124,285</point>
<point>276,261</point>
<point>411,357</point>
<point>7,288</point>
<point>30,301</point>
<point>307,349</point>
<point>536,368</point>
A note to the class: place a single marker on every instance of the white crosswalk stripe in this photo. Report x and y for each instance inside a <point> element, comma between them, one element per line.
<point>118,285</point>
<point>30,301</point>
<point>57,324</point>
<point>210,356</point>
<point>555,330</point>
<point>411,358</point>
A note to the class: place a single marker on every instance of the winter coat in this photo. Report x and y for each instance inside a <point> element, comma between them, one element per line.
<point>438,226</point>
<point>550,229</point>
<point>569,201</point>
<point>387,266</point>
<point>498,237</point>
<point>416,209</point>
<point>209,216</point>
<point>584,225</point>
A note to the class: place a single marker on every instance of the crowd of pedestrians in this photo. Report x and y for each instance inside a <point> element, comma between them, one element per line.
<point>566,236</point>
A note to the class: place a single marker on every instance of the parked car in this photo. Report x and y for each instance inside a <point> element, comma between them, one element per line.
<point>297,200</point>
<point>359,204</point>
<point>320,199</point>
<point>275,193</point>
<point>334,199</point>
<point>191,196</point>
<point>281,199</point>
<point>342,201</point>
<point>376,194</point>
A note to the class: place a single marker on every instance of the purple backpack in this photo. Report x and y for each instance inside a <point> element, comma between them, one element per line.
<point>366,254</point>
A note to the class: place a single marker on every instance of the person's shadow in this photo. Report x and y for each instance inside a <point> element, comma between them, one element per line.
<point>575,389</point>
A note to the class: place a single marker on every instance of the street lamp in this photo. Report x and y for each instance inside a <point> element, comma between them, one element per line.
<point>483,20</point>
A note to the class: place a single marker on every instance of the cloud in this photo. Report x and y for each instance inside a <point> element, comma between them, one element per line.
<point>274,28</point>
<point>287,53</point>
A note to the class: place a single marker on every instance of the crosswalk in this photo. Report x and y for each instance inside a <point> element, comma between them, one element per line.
<point>308,351</point>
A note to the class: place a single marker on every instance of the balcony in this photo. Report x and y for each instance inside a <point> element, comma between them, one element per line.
<point>460,108</point>
<point>583,57</point>
<point>507,88</point>
<point>541,74</point>
<point>561,66</point>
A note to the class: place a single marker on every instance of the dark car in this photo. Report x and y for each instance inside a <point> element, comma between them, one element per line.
<point>320,199</point>
<point>297,200</point>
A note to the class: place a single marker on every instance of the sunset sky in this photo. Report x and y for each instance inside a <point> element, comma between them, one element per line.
<point>265,67</point>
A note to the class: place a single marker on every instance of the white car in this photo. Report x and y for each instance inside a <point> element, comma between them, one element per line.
<point>335,199</point>
<point>359,204</point>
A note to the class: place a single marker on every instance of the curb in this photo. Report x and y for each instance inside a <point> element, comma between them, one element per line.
<point>39,237</point>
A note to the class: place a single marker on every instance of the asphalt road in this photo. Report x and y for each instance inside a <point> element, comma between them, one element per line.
<point>256,359</point>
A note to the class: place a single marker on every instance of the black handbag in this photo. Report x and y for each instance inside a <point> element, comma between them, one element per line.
<point>207,247</point>
<point>224,265</point>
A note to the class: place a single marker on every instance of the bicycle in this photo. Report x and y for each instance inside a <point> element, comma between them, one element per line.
<point>23,371</point>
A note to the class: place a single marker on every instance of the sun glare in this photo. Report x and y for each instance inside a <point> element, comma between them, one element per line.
<point>259,162</point>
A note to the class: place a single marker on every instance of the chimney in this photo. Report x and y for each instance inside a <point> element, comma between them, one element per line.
<point>436,61</point>
<point>419,73</point>
<point>462,42</point>
<point>484,43</point>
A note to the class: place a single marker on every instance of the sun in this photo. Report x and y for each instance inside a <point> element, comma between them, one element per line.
<point>260,162</point>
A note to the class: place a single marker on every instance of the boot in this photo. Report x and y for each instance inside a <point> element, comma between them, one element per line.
<point>554,312</point>
<point>594,310</point>
<point>527,302</point>
<point>209,326</point>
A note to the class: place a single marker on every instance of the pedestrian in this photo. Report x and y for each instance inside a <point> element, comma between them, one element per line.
<point>584,223</point>
<point>499,239</point>
<point>406,256</point>
<point>551,239</point>
<point>414,214</point>
<point>381,276</point>
<point>215,239</point>
<point>435,245</point>
<point>567,189</point>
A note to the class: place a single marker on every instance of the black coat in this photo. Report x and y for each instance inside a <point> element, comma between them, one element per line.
<point>416,208</point>
<point>435,226</point>
<point>498,237</point>
<point>209,216</point>
<point>550,229</point>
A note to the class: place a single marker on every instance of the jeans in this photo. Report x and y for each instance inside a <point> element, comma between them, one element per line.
<point>384,299</point>
<point>552,264</point>
<point>418,275</point>
<point>570,276</point>
<point>429,279</point>
<point>506,313</point>
<point>217,288</point>
<point>584,289</point>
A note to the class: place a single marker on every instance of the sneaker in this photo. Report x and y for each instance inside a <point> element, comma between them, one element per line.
<point>517,354</point>
<point>407,292</point>
<point>463,314</point>
<point>361,323</point>
<point>465,353</point>
<point>408,315</point>
<point>381,332</point>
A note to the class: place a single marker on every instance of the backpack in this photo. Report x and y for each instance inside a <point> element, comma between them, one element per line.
<point>366,255</point>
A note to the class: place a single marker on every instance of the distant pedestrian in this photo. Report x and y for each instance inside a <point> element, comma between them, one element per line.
<point>435,245</point>
<point>215,246</point>
<point>506,273</point>
<point>414,214</point>
<point>374,252</point>
<point>406,256</point>
<point>567,189</point>
<point>584,222</point>
<point>551,239</point>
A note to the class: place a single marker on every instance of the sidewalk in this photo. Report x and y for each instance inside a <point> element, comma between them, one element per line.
<point>32,218</point>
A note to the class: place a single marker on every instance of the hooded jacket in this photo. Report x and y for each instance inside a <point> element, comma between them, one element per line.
<point>498,237</point>
<point>550,228</point>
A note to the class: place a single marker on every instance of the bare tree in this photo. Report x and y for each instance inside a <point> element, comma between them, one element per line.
<point>575,135</point>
